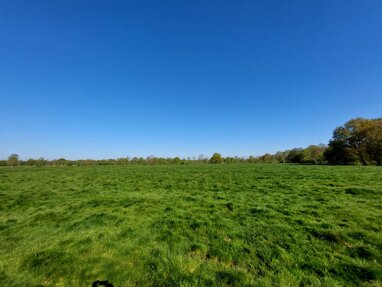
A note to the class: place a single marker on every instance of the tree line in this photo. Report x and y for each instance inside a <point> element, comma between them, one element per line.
<point>358,141</point>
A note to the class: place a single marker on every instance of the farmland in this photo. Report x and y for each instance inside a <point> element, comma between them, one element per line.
<point>191,225</point>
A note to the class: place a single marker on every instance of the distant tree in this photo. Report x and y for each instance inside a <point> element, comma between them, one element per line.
<point>30,162</point>
<point>216,158</point>
<point>151,160</point>
<point>295,155</point>
<point>229,159</point>
<point>61,162</point>
<point>3,162</point>
<point>267,158</point>
<point>122,161</point>
<point>41,161</point>
<point>252,159</point>
<point>13,160</point>
<point>280,156</point>
<point>314,154</point>
<point>358,137</point>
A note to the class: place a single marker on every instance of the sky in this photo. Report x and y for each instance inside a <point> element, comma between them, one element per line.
<point>109,79</point>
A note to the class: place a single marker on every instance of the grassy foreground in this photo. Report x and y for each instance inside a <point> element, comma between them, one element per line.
<point>196,225</point>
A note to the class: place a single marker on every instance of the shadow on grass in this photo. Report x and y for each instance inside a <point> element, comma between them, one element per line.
<point>102,283</point>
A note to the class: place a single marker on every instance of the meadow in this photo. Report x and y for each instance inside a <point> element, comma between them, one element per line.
<point>191,225</point>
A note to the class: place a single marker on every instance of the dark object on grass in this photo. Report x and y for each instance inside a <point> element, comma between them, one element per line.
<point>102,283</point>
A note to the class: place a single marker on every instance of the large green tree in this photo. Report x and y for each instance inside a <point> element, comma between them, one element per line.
<point>358,139</point>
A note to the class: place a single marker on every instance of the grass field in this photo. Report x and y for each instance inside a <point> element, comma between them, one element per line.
<point>191,225</point>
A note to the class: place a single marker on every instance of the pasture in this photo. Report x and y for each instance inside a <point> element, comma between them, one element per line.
<point>191,225</point>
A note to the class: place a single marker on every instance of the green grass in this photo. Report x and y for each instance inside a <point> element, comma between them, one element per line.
<point>196,225</point>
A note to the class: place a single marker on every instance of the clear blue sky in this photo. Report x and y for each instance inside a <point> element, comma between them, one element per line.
<point>107,79</point>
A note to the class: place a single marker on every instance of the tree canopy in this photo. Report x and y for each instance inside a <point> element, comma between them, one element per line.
<point>13,160</point>
<point>358,140</point>
<point>216,158</point>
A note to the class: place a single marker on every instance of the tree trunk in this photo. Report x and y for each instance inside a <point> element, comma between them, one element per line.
<point>359,152</point>
<point>362,157</point>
